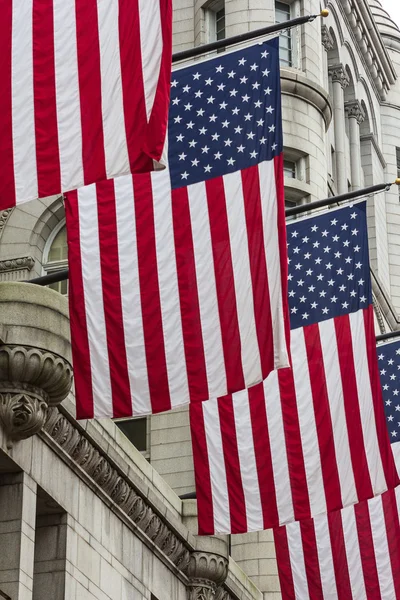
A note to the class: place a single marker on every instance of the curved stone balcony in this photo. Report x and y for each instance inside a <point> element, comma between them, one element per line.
<point>35,357</point>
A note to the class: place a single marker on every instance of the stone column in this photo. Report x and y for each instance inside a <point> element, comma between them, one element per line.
<point>207,569</point>
<point>356,116</point>
<point>17,535</point>
<point>340,80</point>
<point>35,369</point>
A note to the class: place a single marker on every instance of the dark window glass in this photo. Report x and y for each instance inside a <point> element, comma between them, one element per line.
<point>282,14</point>
<point>136,432</point>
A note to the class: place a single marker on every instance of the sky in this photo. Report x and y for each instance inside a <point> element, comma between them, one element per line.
<point>393,8</point>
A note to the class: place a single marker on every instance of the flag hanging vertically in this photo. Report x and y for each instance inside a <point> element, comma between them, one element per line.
<point>310,439</point>
<point>84,92</point>
<point>354,553</point>
<point>178,279</point>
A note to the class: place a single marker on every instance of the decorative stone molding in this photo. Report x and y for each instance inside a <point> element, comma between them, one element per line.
<point>119,489</point>
<point>31,380</point>
<point>339,75</point>
<point>326,38</point>
<point>378,314</point>
<point>299,86</point>
<point>222,594</point>
<point>17,264</point>
<point>4,216</point>
<point>354,110</point>
<point>206,572</point>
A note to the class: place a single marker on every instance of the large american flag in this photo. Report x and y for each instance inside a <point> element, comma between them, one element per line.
<point>178,279</point>
<point>84,92</point>
<point>352,554</point>
<point>312,438</point>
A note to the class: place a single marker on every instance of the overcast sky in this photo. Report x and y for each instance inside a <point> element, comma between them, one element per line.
<point>393,8</point>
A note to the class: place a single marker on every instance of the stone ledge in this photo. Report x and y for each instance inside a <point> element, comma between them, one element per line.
<point>296,84</point>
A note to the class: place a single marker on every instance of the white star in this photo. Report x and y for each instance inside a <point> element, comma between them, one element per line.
<point>314,228</point>
<point>363,299</point>
<point>328,266</point>
<point>320,277</point>
<point>394,433</point>
<point>353,294</point>
<point>346,243</point>
<point>215,137</point>
<point>186,88</point>
<point>381,357</point>
<point>192,143</point>
<point>311,288</point>
<point>240,148</point>
<point>221,87</point>
<point>264,54</point>
<point>258,104</point>
<point>292,293</point>
<point>231,161</point>
<point>388,402</point>
<point>390,418</point>
<point>353,215</point>
<point>233,93</point>
<point>253,67</point>
<point>314,305</point>
<point>342,288</point>
<point>210,100</point>
<point>338,254</point>
<point>188,106</point>
<point>295,233</point>
<point>225,124</point>
<point>300,282</point>
<point>358,265</point>
<point>305,315</point>
<point>274,147</point>
<point>345,227</point>
<point>185,175</point>
<point>190,125</point>
<point>348,260</point>
<point>255,85</point>
<point>182,156</point>
<point>247,117</point>
<point>334,222</point>
<point>235,111</point>
<point>242,61</point>
<point>267,91</point>
<point>213,118</point>
<point>174,83</point>
<point>327,249</point>
<point>302,299</point>
<point>196,76</point>
<point>231,74</point>
<point>339,271</point>
<point>350,276</point>
<point>250,135</point>
<point>324,233</point>
<point>253,154</point>
<point>202,131</point>
<point>333,299</point>
<point>205,150</point>
<point>322,294</point>
<point>271,128</point>
<point>179,138</point>
<point>296,250</point>
<point>177,119</point>
<point>361,282</point>
<point>198,94</point>
<point>243,79</point>
<point>228,142</point>
<point>269,109</point>
<point>265,72</point>
<point>223,105</point>
<point>354,231</point>
<point>335,238</point>
<point>217,155</point>
<point>293,310</point>
<point>195,162</point>
<point>245,98</point>
<point>209,81</point>
<point>325,311</point>
<point>207,168</point>
<point>345,305</point>
<point>176,101</point>
<point>318,261</point>
<point>219,69</point>
<point>200,112</point>
<point>263,140</point>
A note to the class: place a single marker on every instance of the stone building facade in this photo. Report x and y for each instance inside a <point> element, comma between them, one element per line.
<point>83,512</point>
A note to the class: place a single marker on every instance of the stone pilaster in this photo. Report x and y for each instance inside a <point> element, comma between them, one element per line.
<point>356,116</point>
<point>340,81</point>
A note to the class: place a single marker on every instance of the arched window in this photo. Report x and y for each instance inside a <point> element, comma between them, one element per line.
<point>55,256</point>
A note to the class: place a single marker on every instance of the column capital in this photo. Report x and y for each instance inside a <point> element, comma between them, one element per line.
<point>206,571</point>
<point>339,75</point>
<point>354,110</point>
<point>326,38</point>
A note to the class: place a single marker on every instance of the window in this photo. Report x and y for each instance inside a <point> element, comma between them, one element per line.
<point>136,432</point>
<point>289,169</point>
<point>215,21</point>
<point>282,14</point>
<point>55,257</point>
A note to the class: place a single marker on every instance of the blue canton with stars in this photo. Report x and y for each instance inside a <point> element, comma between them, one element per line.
<point>225,114</point>
<point>389,369</point>
<point>328,265</point>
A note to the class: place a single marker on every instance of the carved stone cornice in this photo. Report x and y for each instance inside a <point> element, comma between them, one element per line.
<point>354,110</point>
<point>222,594</point>
<point>31,380</point>
<point>326,38</point>
<point>118,488</point>
<point>206,572</point>
<point>17,264</point>
<point>339,75</point>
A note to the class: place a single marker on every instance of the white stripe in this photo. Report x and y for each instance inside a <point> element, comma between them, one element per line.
<point>219,484</point>
<point>353,555</point>
<point>269,206</point>
<point>365,401</point>
<point>169,291</point>
<point>207,292</point>
<point>338,414</point>
<point>277,443</point>
<point>381,548</point>
<point>308,427</point>
<point>152,46</point>
<point>67,95</point>
<point>247,460</point>
<point>396,455</point>
<point>325,559</point>
<point>130,295</point>
<point>297,563</point>
<point>115,144</point>
<point>239,245</point>
<point>397,495</point>
<point>23,112</point>
<point>94,302</point>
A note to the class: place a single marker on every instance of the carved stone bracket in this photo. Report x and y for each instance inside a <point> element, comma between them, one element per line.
<point>326,38</point>
<point>16,264</point>
<point>339,75</point>
<point>84,454</point>
<point>354,110</point>
<point>31,380</point>
<point>206,572</point>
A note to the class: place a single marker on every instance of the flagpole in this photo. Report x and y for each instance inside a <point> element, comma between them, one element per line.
<point>244,37</point>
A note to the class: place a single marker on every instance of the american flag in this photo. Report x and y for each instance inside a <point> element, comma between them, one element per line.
<point>84,92</point>
<point>178,279</point>
<point>310,439</point>
<point>352,554</point>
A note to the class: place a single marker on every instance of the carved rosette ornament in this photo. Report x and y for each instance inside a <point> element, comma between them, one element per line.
<point>206,572</point>
<point>31,380</point>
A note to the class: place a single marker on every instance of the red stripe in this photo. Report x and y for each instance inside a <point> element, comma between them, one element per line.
<point>339,557</point>
<point>7,181</point>
<point>205,513</point>
<point>44,86</point>
<point>132,85</point>
<point>367,552</point>
<point>225,284</point>
<point>387,457</point>
<point>188,296</point>
<point>77,311</point>
<point>284,566</point>
<point>281,223</point>
<point>88,49</point>
<point>157,127</point>
<point>311,561</point>
<point>294,448</point>
<point>323,421</point>
<point>262,450</point>
<point>258,267</point>
<point>352,408</point>
<point>150,294</point>
<point>389,506</point>
<point>237,505</point>
<point>111,286</point>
